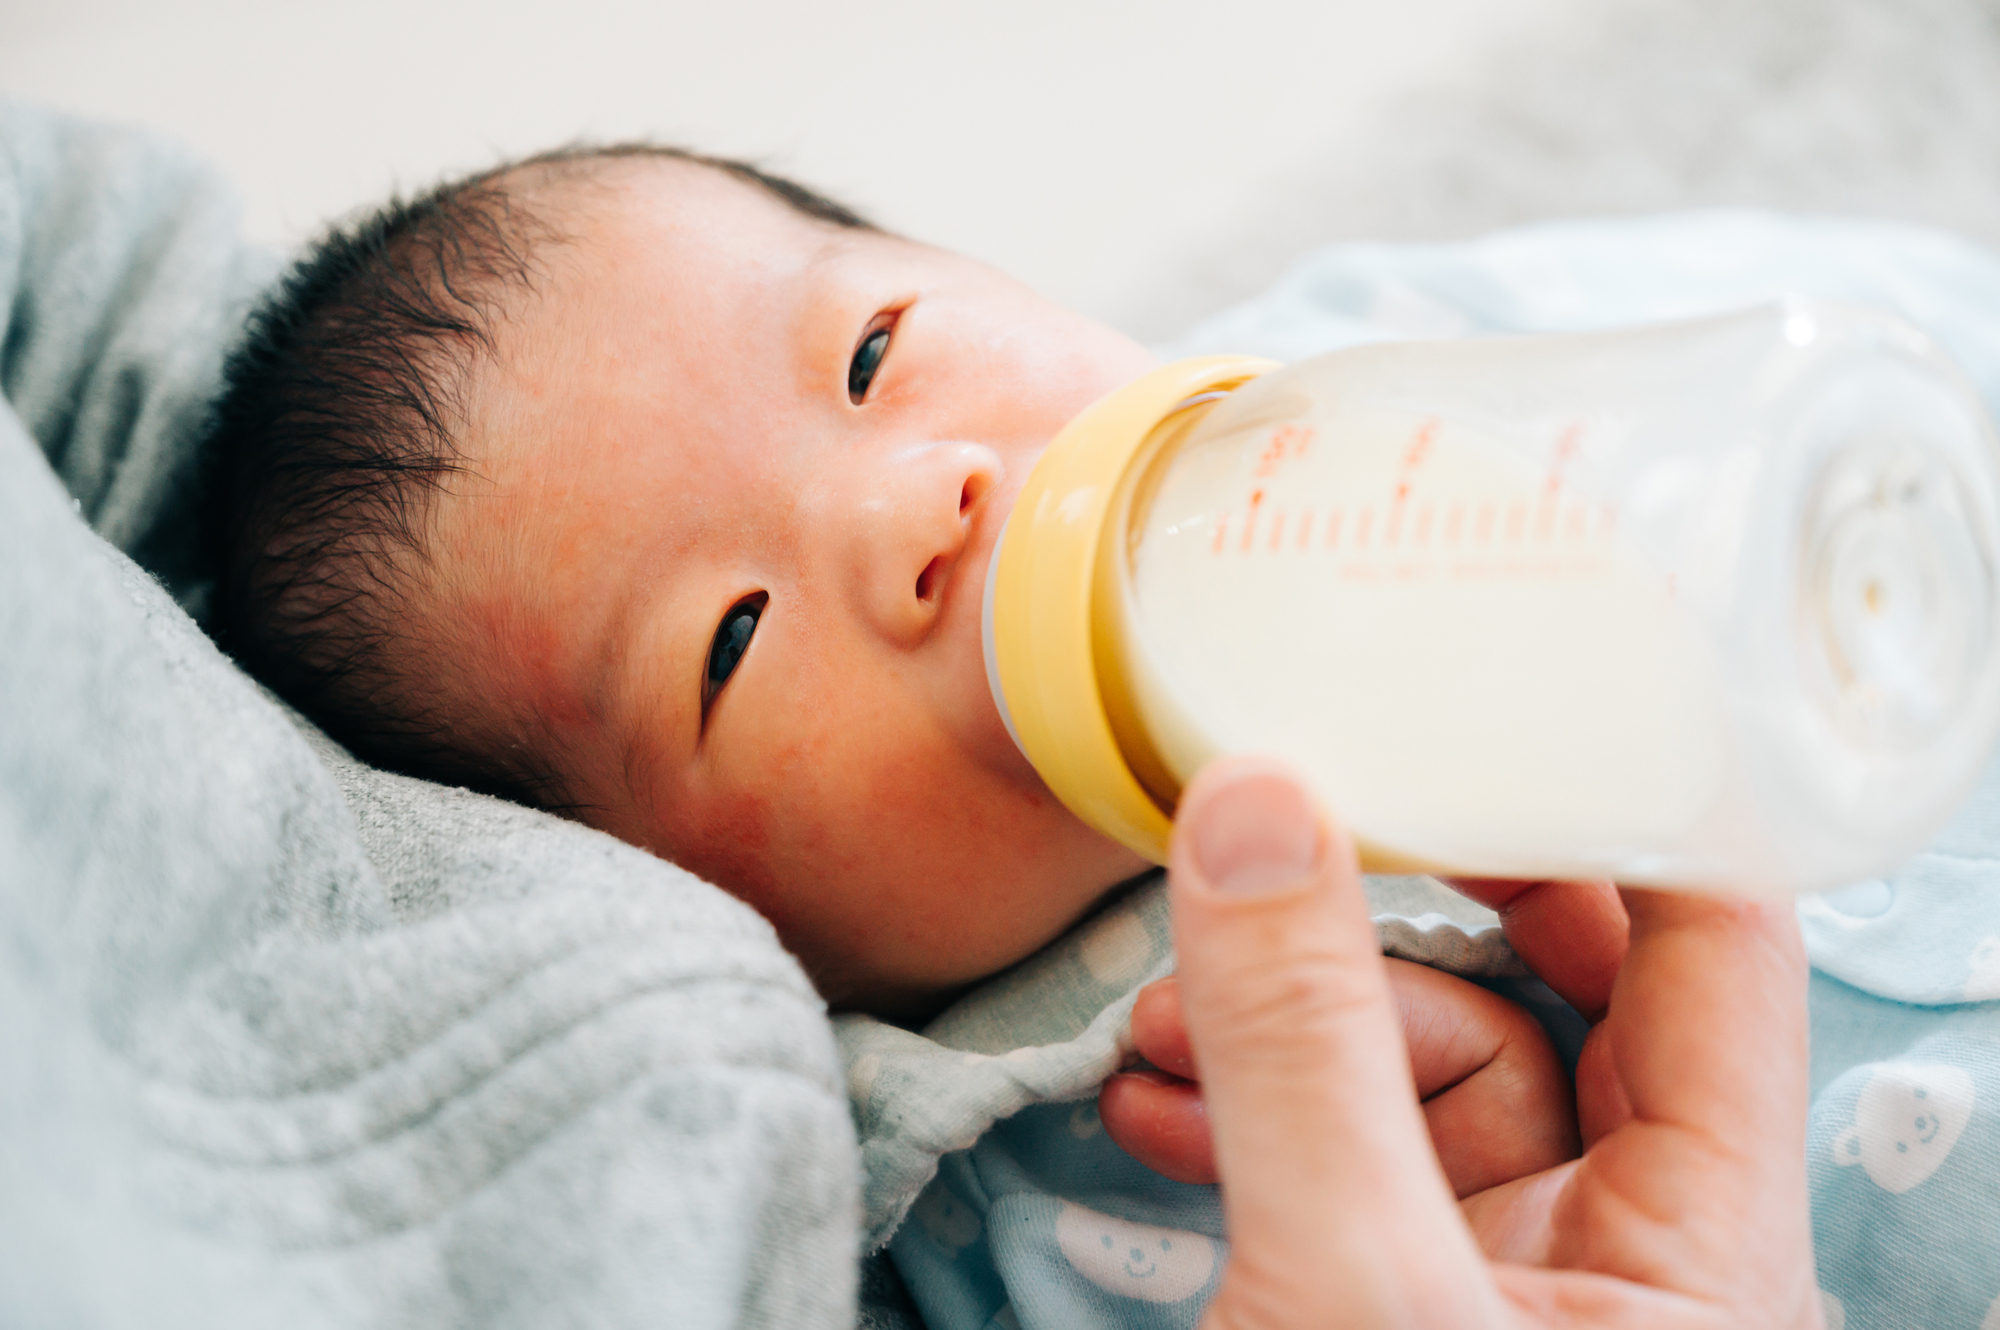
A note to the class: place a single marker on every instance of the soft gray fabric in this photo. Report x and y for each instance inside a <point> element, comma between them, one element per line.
<point>285,1040</point>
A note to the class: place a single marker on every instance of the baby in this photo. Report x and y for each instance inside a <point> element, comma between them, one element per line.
<point>659,492</point>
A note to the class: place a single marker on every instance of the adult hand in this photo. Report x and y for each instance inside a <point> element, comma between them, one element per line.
<point>1498,1106</point>
<point>1688,1206</point>
<point>1497,1100</point>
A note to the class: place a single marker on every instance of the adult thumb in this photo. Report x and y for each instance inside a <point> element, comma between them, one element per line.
<point>1333,1195</point>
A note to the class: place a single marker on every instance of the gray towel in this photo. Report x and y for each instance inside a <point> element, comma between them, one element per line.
<point>285,1040</point>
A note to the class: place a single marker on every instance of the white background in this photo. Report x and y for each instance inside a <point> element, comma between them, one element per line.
<point>1142,161</point>
<point>1079,144</point>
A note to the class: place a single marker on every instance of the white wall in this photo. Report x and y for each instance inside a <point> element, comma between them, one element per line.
<point>1089,146</point>
<point>1143,161</point>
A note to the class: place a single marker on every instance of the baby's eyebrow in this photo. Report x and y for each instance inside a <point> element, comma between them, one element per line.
<point>834,250</point>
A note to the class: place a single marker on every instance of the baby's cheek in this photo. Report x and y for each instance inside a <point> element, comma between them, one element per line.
<point>526,661</point>
<point>767,845</point>
<point>728,844</point>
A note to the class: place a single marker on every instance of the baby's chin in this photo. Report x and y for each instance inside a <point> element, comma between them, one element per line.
<point>974,721</point>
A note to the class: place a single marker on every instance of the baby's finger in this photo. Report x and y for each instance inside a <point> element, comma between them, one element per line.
<point>1160,1121</point>
<point>1571,934</point>
<point>1495,1095</point>
<point>1159,1030</point>
<point>1333,1195</point>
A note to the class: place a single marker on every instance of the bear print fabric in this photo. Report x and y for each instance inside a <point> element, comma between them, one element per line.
<point>1133,1260</point>
<point>1904,1160</point>
<point>1026,1216</point>
<point>1073,1230</point>
<point>1906,1119</point>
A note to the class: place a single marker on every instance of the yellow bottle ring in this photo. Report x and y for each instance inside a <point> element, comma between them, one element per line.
<point>1042,599</point>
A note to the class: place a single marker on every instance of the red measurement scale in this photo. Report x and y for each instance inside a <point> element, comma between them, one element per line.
<point>1549,518</point>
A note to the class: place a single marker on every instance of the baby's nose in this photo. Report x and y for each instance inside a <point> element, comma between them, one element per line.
<point>917,526</point>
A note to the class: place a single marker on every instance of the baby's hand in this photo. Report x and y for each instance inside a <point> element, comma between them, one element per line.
<point>1494,1093</point>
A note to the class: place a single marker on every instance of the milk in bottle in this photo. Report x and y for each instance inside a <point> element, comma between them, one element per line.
<point>1708,605</point>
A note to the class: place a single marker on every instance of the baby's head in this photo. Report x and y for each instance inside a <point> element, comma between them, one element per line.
<point>660,492</point>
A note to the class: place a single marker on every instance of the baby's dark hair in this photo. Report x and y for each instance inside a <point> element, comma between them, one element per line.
<point>338,425</point>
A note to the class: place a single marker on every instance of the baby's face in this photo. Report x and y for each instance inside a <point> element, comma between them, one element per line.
<point>724,560</point>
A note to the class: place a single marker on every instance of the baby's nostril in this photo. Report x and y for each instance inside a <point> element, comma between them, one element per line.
<point>927,579</point>
<point>973,491</point>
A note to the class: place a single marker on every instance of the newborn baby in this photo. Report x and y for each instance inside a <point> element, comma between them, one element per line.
<point>659,492</point>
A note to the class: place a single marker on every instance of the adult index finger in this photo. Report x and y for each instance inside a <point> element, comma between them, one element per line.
<point>1333,1195</point>
<point>1711,1003</point>
<point>1707,1036</point>
<point>1571,934</point>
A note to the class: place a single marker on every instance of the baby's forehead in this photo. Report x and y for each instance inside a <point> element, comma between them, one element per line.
<point>682,300</point>
<point>681,253</point>
<point>643,315</point>
<point>697,202</point>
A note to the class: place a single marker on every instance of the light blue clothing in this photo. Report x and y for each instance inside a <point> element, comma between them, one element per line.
<point>982,1131</point>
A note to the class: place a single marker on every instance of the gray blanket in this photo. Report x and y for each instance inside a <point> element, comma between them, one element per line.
<point>285,1040</point>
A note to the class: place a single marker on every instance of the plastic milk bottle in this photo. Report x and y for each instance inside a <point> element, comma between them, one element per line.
<point>1708,605</point>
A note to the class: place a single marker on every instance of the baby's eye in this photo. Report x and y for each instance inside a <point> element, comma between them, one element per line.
<point>732,639</point>
<point>867,359</point>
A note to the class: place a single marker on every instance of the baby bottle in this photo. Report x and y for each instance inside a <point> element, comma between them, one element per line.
<point>1707,605</point>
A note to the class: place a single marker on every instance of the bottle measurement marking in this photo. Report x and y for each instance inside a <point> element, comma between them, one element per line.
<point>1520,523</point>
<point>1552,514</point>
<point>1407,467</point>
<point>1250,522</point>
<point>1286,443</point>
<point>1567,446</point>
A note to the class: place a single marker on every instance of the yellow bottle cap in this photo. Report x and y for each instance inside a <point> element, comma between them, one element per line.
<point>1041,626</point>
